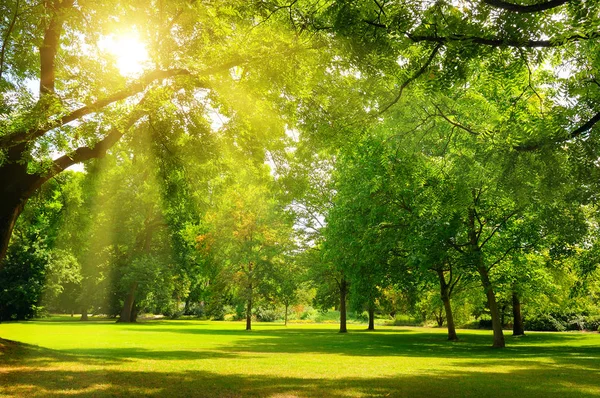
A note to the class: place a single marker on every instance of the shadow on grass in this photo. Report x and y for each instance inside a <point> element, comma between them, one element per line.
<point>398,343</point>
<point>14,353</point>
<point>27,380</point>
<point>535,366</point>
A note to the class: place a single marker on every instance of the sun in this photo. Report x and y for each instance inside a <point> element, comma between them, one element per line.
<point>129,52</point>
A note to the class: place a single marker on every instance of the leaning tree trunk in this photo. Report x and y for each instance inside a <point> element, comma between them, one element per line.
<point>493,305</point>
<point>343,293</point>
<point>16,187</point>
<point>518,328</point>
<point>445,293</point>
<point>371,311</point>
<point>127,314</point>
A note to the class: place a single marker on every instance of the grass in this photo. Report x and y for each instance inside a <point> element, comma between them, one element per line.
<point>59,357</point>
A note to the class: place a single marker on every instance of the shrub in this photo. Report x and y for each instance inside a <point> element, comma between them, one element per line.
<point>592,322</point>
<point>268,314</point>
<point>545,323</point>
<point>485,324</point>
<point>196,310</point>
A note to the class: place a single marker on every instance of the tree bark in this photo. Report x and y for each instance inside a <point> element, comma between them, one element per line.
<point>286,314</point>
<point>343,293</point>
<point>249,315</point>
<point>127,314</point>
<point>518,328</point>
<point>371,311</point>
<point>493,306</point>
<point>84,315</point>
<point>249,309</point>
<point>134,312</point>
<point>16,187</point>
<point>445,293</point>
<point>477,259</point>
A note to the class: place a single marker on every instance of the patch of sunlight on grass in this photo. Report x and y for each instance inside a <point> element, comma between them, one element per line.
<point>191,358</point>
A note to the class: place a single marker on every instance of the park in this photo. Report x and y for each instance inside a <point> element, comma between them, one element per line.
<point>300,198</point>
<point>221,359</point>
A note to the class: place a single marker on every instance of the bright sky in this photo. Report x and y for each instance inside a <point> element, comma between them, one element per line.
<point>130,53</point>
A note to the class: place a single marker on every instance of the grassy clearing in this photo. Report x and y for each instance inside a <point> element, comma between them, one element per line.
<point>193,358</point>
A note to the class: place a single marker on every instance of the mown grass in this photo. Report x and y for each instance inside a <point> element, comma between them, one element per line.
<point>220,359</point>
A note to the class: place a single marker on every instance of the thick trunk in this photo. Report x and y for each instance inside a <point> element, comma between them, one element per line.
<point>127,314</point>
<point>16,187</point>
<point>493,306</point>
<point>84,315</point>
<point>343,292</point>
<point>445,293</point>
<point>10,209</point>
<point>518,328</point>
<point>249,309</point>
<point>371,311</point>
<point>134,312</point>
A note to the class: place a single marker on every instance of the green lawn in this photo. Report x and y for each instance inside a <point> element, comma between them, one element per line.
<point>193,358</point>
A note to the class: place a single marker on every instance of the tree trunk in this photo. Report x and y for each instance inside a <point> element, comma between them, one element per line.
<point>477,258</point>
<point>445,293</point>
<point>286,314</point>
<point>343,293</point>
<point>371,311</point>
<point>16,187</point>
<point>249,309</point>
<point>84,315</point>
<point>439,317</point>
<point>12,202</point>
<point>134,312</point>
<point>518,328</point>
<point>249,315</point>
<point>127,314</point>
<point>493,305</point>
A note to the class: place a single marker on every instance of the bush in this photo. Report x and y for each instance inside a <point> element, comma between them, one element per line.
<point>545,323</point>
<point>308,314</point>
<point>240,312</point>
<point>216,311</point>
<point>362,317</point>
<point>268,314</point>
<point>485,324</point>
<point>196,310</point>
<point>592,322</point>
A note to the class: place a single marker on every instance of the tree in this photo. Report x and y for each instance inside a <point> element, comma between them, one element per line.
<point>85,105</point>
<point>250,233</point>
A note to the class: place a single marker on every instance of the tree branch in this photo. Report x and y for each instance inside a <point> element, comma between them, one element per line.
<point>525,8</point>
<point>498,226</point>
<point>421,70</point>
<point>11,140</point>
<point>455,124</point>
<point>503,42</point>
<point>86,153</point>
<point>50,45</point>
<point>7,36</point>
<point>574,134</point>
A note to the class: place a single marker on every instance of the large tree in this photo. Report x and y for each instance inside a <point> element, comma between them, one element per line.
<point>83,103</point>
